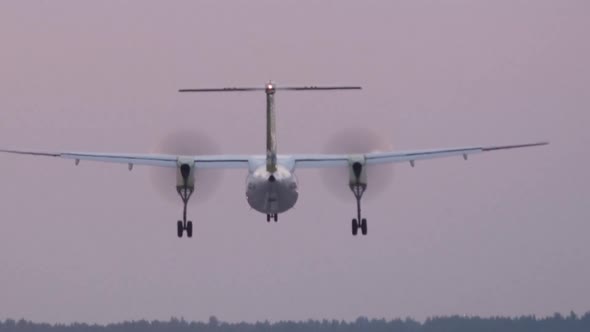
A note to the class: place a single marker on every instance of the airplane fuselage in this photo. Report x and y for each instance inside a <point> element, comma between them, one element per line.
<point>271,193</point>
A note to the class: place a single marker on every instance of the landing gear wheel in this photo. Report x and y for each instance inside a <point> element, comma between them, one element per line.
<point>364,226</point>
<point>276,217</point>
<point>355,227</point>
<point>179,228</point>
<point>189,229</point>
<point>267,217</point>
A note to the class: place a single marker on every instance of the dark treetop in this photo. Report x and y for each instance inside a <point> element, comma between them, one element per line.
<point>557,322</point>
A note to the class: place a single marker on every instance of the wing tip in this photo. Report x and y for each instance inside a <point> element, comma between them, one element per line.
<point>31,153</point>
<point>516,146</point>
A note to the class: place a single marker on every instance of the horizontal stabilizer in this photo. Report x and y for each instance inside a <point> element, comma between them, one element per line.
<point>273,87</point>
<point>302,88</point>
<point>221,90</point>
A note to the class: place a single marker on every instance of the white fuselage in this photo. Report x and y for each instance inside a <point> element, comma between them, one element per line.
<point>271,193</point>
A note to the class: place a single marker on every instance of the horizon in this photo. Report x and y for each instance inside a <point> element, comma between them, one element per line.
<point>213,319</point>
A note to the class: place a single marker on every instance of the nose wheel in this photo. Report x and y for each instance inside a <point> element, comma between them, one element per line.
<point>273,216</point>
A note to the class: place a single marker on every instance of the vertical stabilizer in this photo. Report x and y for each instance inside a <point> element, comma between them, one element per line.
<point>271,132</point>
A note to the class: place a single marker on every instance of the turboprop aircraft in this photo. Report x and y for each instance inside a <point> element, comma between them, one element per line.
<point>271,186</point>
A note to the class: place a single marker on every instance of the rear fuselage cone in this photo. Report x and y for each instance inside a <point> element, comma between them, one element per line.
<point>271,193</point>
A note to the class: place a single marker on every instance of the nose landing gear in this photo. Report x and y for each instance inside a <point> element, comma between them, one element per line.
<point>358,185</point>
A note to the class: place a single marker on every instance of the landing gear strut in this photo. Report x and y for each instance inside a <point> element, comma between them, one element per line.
<point>185,188</point>
<point>273,216</point>
<point>184,225</point>
<point>358,191</point>
<point>358,185</point>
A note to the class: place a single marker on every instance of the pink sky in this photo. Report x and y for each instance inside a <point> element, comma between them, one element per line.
<point>503,234</point>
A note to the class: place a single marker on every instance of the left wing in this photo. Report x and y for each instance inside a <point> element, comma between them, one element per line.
<point>374,158</point>
<point>161,160</point>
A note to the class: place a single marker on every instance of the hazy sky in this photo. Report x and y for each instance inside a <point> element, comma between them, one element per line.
<point>504,233</point>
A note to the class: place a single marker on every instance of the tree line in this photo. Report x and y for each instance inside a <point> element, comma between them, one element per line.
<point>557,322</point>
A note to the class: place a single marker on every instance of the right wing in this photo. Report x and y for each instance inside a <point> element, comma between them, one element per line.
<point>375,158</point>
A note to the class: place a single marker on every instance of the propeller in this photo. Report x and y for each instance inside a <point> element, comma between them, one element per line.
<point>357,141</point>
<point>185,142</point>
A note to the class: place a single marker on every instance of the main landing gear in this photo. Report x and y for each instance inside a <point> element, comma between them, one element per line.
<point>358,185</point>
<point>185,188</point>
<point>358,191</point>
<point>184,225</point>
<point>274,216</point>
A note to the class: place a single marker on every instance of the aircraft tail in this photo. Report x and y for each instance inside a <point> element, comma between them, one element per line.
<point>270,89</point>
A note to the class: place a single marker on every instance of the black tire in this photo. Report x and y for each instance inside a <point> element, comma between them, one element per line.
<point>179,228</point>
<point>189,229</point>
<point>276,217</point>
<point>355,227</point>
<point>267,217</point>
<point>364,226</point>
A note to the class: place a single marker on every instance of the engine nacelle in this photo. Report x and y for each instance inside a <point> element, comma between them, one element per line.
<point>357,170</point>
<point>185,173</point>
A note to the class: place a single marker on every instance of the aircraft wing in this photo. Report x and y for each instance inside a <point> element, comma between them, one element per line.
<point>161,160</point>
<point>374,158</point>
<point>244,161</point>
